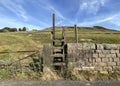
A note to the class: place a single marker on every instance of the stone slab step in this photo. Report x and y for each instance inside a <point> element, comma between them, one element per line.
<point>58,55</point>
<point>58,47</point>
<point>59,64</point>
<point>59,39</point>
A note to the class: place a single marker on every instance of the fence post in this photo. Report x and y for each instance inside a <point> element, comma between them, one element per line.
<point>40,62</point>
<point>53,19</point>
<point>76,33</point>
<point>20,65</point>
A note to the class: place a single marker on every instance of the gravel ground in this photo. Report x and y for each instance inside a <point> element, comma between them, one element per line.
<point>59,83</point>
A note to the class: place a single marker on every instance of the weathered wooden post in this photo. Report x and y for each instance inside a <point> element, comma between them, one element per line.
<point>53,18</point>
<point>76,33</point>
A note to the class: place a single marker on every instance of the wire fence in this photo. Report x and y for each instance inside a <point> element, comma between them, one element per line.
<point>25,64</point>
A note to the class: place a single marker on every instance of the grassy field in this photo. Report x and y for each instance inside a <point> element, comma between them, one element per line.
<point>35,39</point>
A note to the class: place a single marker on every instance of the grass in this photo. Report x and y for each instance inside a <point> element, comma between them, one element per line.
<point>10,41</point>
<point>92,75</point>
<point>34,40</point>
<point>52,75</point>
<point>4,74</point>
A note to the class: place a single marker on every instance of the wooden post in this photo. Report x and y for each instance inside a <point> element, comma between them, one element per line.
<point>76,34</point>
<point>63,32</point>
<point>53,19</point>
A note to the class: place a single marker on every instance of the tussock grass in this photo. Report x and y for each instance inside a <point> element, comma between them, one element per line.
<point>74,74</point>
<point>4,74</point>
<point>92,75</point>
<point>49,74</point>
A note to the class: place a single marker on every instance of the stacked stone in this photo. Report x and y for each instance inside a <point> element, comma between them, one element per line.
<point>103,57</point>
<point>81,54</point>
<point>107,57</point>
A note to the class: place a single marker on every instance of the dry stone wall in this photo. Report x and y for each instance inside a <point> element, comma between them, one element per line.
<point>90,56</point>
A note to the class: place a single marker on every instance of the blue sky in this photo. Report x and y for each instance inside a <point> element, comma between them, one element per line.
<point>36,14</point>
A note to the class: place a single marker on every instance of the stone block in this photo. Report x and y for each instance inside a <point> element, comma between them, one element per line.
<point>105,59</point>
<point>108,55</point>
<point>111,63</point>
<point>113,55</point>
<point>98,68</point>
<point>114,51</point>
<point>107,46</point>
<point>94,60</point>
<point>102,55</point>
<point>90,59</point>
<point>119,46</point>
<point>102,64</point>
<point>100,46</point>
<point>88,68</point>
<point>118,55</point>
<point>71,59</point>
<point>118,63</point>
<point>88,46</point>
<point>116,59</point>
<point>111,46</point>
<point>106,51</point>
<point>110,59</point>
<point>93,51</point>
<point>104,72</point>
<point>79,46</point>
<point>72,47</point>
<point>98,51</point>
<point>109,68</point>
<point>117,68</point>
<point>95,56</point>
<point>93,46</point>
<point>98,60</point>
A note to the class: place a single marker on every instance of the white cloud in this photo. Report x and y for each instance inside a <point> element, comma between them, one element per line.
<point>53,10</point>
<point>111,18</point>
<point>90,6</point>
<point>15,8</point>
<point>10,22</point>
<point>50,7</point>
<point>116,20</point>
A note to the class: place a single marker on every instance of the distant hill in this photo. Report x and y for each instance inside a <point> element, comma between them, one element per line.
<point>83,29</point>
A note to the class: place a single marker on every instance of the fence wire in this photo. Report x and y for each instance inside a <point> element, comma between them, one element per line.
<point>26,64</point>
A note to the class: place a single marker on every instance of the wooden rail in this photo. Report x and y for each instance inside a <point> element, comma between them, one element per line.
<point>24,58</point>
<point>21,51</point>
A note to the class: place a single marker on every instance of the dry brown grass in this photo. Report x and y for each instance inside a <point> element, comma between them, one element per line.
<point>49,74</point>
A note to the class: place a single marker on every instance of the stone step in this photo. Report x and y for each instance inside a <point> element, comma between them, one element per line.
<point>58,40</point>
<point>58,59</point>
<point>58,47</point>
<point>58,55</point>
<point>58,52</point>
<point>59,64</point>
